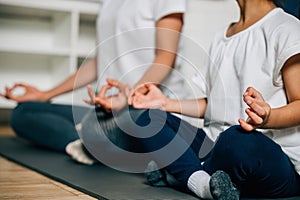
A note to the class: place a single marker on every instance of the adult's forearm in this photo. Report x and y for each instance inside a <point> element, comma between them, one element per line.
<point>192,108</point>
<point>168,32</point>
<point>83,76</point>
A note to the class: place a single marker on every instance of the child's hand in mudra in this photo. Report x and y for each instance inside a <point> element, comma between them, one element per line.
<point>258,111</point>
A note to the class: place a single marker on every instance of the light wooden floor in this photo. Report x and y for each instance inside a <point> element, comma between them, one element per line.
<point>17,182</point>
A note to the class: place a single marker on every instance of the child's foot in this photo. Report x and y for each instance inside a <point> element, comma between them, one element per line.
<point>155,176</point>
<point>77,151</point>
<point>159,177</point>
<point>222,188</point>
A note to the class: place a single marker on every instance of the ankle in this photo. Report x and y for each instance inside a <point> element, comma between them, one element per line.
<point>199,184</point>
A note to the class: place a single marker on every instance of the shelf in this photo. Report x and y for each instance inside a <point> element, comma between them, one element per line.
<point>42,71</point>
<point>34,50</point>
<point>82,6</point>
<point>29,28</point>
<point>87,33</point>
<point>43,42</point>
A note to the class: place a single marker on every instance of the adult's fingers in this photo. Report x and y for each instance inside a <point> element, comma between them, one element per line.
<point>103,91</point>
<point>113,82</point>
<point>91,93</point>
<point>88,101</point>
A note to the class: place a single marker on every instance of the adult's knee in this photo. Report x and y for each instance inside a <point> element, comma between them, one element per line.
<point>150,116</point>
<point>17,116</point>
<point>154,131</point>
<point>22,117</point>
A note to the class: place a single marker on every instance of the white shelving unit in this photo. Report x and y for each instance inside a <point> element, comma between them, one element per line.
<point>42,42</point>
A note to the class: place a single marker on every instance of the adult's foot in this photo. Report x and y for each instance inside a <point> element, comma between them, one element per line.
<point>78,152</point>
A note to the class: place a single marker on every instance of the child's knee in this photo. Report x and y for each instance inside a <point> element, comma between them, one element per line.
<point>231,142</point>
<point>230,135</point>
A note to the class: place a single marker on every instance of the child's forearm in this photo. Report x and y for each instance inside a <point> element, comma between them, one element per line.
<point>284,117</point>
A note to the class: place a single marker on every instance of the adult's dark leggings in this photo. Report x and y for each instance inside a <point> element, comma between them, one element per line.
<point>47,125</point>
<point>53,125</point>
<point>256,164</point>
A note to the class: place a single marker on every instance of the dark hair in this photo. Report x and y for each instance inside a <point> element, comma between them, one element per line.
<point>299,11</point>
<point>278,3</point>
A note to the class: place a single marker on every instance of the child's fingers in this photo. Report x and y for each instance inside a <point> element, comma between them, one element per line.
<point>245,125</point>
<point>252,92</point>
<point>257,108</point>
<point>248,92</point>
<point>255,119</point>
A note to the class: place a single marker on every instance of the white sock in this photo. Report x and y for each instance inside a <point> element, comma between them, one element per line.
<point>75,150</point>
<point>199,184</point>
<point>78,127</point>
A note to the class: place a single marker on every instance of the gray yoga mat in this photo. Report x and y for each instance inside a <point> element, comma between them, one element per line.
<point>98,180</point>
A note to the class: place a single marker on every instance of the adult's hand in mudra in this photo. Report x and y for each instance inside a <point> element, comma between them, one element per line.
<point>30,93</point>
<point>112,102</point>
<point>152,99</point>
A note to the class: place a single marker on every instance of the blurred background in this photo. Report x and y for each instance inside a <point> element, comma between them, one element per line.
<point>43,41</point>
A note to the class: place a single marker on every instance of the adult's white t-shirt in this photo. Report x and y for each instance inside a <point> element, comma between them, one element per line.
<point>126,40</point>
<point>253,57</point>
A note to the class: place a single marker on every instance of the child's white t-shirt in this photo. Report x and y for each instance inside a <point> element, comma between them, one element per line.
<point>253,57</point>
<point>126,40</point>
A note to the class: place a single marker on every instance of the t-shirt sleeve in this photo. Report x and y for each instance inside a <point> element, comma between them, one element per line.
<point>200,85</point>
<point>288,45</point>
<point>165,7</point>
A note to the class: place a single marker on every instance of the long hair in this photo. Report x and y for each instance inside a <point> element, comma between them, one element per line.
<point>299,11</point>
<point>278,3</point>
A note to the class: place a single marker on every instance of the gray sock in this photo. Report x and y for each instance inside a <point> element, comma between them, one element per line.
<point>155,176</point>
<point>222,188</point>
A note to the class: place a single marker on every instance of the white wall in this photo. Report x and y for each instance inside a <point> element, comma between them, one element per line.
<point>202,20</point>
<point>29,52</point>
<point>205,17</point>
